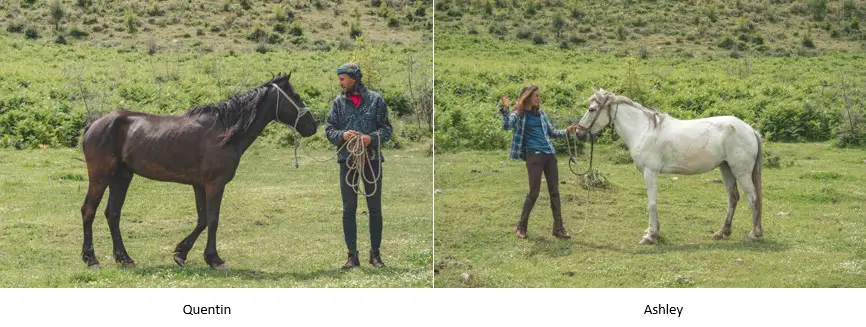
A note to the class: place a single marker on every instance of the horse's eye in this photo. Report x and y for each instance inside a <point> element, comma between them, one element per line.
<point>591,110</point>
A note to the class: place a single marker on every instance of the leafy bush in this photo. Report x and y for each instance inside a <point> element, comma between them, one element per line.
<point>770,158</point>
<point>818,9</point>
<point>31,33</point>
<point>15,27</point>
<point>794,122</point>
<point>78,34</point>
<point>807,42</point>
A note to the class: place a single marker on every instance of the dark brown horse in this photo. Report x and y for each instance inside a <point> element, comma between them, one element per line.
<point>201,148</point>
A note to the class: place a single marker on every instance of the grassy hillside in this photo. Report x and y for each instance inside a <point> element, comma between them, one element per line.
<point>697,28</point>
<point>218,26</point>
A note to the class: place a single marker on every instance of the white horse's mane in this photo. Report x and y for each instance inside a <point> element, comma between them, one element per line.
<point>655,116</point>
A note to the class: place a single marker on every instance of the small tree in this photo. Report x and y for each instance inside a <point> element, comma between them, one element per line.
<point>57,13</point>
<point>131,21</point>
<point>368,56</point>
<point>558,24</point>
<point>819,9</point>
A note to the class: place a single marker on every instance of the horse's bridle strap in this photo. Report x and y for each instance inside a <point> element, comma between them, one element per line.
<point>592,123</point>
<point>301,111</point>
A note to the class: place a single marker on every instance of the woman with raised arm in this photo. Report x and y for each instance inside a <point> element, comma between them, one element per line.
<point>532,143</point>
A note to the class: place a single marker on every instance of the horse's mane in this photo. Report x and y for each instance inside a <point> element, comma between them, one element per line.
<point>655,116</point>
<point>238,112</point>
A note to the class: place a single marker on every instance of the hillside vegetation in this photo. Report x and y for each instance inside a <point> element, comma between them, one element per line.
<point>218,26</point>
<point>167,56</point>
<point>695,28</point>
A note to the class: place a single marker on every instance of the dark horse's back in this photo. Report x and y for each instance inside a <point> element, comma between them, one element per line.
<point>165,148</point>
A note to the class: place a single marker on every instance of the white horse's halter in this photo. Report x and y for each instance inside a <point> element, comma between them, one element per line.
<point>301,112</point>
<point>610,117</point>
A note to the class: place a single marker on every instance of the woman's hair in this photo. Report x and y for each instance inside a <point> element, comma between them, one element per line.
<point>526,93</point>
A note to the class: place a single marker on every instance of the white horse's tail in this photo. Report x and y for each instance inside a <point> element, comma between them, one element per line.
<point>756,177</point>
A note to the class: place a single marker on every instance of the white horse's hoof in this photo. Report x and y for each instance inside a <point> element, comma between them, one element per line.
<point>646,240</point>
<point>751,238</point>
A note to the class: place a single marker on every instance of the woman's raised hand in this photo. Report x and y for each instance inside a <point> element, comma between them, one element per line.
<point>505,102</point>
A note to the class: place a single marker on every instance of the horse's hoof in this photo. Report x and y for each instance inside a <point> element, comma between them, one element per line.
<point>178,260</point>
<point>127,265</point>
<point>94,266</point>
<point>719,236</point>
<point>751,238</point>
<point>221,266</point>
<point>646,240</point>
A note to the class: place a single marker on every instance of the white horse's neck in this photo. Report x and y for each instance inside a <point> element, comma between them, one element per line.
<point>630,123</point>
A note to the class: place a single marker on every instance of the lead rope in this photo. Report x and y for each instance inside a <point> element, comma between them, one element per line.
<point>358,157</point>
<point>573,160</point>
<point>301,112</point>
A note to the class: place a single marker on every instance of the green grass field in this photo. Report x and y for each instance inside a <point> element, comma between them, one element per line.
<point>279,227</point>
<point>814,225</point>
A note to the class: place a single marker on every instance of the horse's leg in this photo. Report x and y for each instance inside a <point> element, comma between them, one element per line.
<point>95,190</point>
<point>733,197</point>
<point>116,196</point>
<point>214,197</point>
<point>184,246</point>
<point>748,186</point>
<point>651,235</point>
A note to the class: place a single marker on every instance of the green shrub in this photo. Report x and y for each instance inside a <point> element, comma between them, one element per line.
<point>524,33</point>
<point>78,34</point>
<point>851,138</point>
<point>792,122</point>
<point>727,43</point>
<point>818,9</point>
<point>31,33</point>
<point>770,158</point>
<point>807,42</point>
<point>538,39</point>
<point>15,27</point>
<point>258,35</point>
<point>497,29</point>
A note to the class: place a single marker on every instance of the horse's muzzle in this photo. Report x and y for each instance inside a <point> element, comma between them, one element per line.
<point>581,134</point>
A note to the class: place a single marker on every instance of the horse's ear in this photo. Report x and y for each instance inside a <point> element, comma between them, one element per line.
<point>599,95</point>
<point>290,75</point>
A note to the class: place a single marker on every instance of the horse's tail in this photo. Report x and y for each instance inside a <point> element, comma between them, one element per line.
<point>756,177</point>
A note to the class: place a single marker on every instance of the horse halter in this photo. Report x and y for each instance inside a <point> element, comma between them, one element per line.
<point>571,159</point>
<point>610,118</point>
<point>301,112</point>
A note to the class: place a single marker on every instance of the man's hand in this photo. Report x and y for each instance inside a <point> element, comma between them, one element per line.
<point>367,139</point>
<point>573,128</point>
<point>349,134</point>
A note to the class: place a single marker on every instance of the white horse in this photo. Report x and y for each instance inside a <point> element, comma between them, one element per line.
<point>661,144</point>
